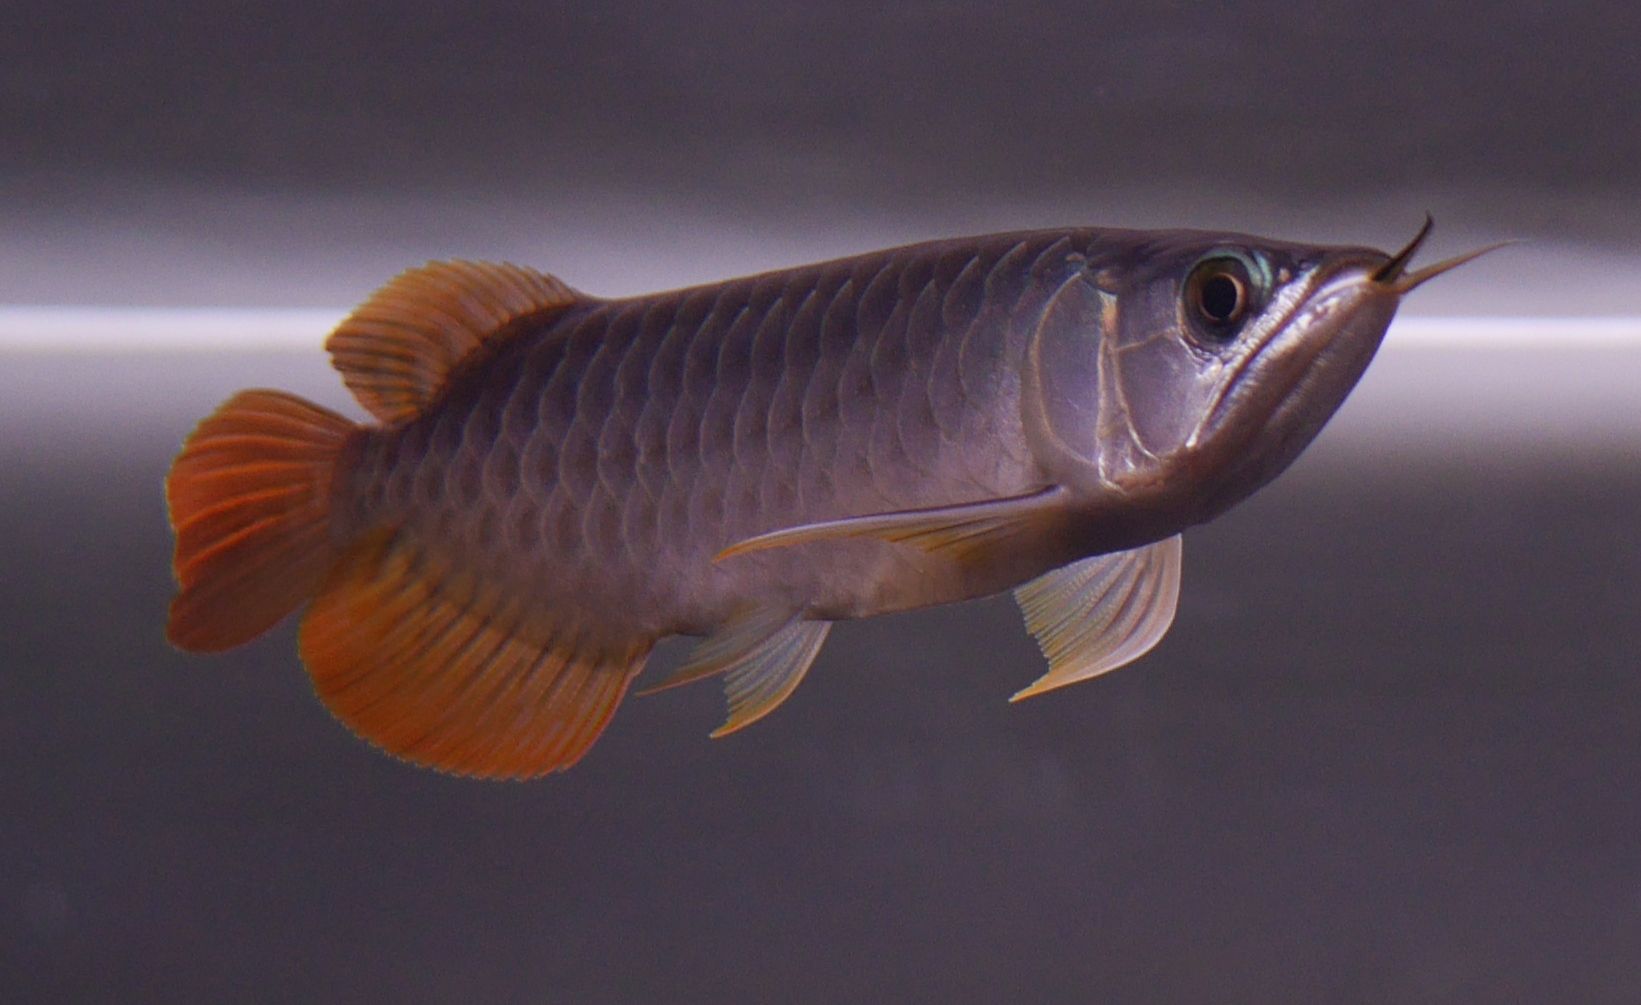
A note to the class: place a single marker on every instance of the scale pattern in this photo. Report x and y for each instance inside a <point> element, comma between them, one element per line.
<point>600,460</point>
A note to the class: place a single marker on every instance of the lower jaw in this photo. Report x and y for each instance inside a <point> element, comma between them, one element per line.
<point>1292,423</point>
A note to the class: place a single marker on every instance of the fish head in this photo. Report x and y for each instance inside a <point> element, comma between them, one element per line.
<point>1218,360</point>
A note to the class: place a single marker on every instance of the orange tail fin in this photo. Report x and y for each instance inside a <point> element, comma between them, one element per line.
<point>250,502</point>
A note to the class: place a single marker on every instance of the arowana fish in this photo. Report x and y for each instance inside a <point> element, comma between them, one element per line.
<point>556,481</point>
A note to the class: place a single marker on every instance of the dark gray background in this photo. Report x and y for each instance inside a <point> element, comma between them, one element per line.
<point>297,153</point>
<point>1389,752</point>
<point>932,102</point>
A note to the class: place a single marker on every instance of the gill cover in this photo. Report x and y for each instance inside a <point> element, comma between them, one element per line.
<point>1118,376</point>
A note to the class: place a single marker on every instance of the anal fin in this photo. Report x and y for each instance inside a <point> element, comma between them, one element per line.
<point>1098,614</point>
<point>428,667</point>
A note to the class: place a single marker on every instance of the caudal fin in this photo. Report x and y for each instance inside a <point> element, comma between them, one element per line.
<point>250,502</point>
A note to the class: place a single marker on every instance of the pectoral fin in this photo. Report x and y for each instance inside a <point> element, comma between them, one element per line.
<point>966,532</point>
<point>1098,614</point>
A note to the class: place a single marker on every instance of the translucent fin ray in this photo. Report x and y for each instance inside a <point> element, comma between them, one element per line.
<point>757,683</point>
<point>1098,614</point>
<point>726,647</point>
<point>763,656</point>
<point>966,532</point>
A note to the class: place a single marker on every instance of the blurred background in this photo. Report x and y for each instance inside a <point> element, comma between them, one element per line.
<point>1388,753</point>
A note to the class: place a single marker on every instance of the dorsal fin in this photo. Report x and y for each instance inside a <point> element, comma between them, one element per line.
<point>398,348</point>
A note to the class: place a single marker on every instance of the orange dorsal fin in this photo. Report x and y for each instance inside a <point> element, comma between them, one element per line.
<point>428,666</point>
<point>396,351</point>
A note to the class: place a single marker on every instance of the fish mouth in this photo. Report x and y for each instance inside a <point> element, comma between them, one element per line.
<point>1394,275</point>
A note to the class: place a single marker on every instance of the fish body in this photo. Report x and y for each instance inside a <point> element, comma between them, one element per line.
<point>557,481</point>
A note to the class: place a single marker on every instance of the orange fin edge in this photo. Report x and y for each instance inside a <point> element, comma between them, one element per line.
<point>396,350</point>
<point>249,499</point>
<point>428,667</point>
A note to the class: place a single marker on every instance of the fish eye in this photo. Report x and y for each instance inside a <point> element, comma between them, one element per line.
<point>1219,297</point>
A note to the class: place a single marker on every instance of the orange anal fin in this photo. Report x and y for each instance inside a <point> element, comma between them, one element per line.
<point>966,532</point>
<point>431,668</point>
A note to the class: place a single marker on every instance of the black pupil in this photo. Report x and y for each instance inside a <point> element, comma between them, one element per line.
<point>1221,297</point>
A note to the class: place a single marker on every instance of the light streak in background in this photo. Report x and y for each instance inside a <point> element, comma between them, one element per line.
<point>193,329</point>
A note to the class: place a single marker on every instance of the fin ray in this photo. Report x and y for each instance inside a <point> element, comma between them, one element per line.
<point>763,655</point>
<point>397,349</point>
<point>767,676</point>
<point>431,668</point>
<point>966,532</point>
<point>726,647</point>
<point>249,501</point>
<point>1096,615</point>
